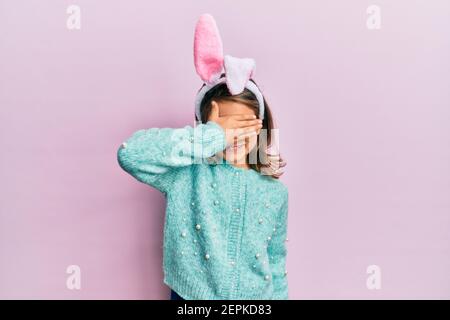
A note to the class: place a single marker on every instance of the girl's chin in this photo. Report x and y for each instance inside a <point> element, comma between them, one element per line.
<point>239,157</point>
<point>235,149</point>
<point>236,157</point>
<point>235,152</point>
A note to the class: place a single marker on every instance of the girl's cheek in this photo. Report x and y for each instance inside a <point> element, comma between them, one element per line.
<point>250,146</point>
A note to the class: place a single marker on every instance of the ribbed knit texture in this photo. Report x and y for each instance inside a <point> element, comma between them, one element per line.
<point>225,227</point>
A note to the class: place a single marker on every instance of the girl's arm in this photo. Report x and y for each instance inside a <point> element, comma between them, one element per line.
<point>277,251</point>
<point>154,156</point>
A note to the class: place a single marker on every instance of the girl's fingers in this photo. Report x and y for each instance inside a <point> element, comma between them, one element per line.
<point>247,123</point>
<point>243,130</point>
<point>243,117</point>
<point>250,128</point>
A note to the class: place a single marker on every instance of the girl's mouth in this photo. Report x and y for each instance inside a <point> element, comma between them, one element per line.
<point>236,146</point>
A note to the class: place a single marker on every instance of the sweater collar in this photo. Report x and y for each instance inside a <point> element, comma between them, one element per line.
<point>214,160</point>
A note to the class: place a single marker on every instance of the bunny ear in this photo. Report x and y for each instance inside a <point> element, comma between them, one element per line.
<point>239,71</point>
<point>208,49</point>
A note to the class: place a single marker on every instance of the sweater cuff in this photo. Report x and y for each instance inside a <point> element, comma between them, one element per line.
<point>214,138</point>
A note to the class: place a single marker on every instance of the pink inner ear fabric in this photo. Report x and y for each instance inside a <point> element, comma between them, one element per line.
<point>208,49</point>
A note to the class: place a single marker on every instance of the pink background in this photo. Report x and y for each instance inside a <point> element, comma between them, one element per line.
<point>364,125</point>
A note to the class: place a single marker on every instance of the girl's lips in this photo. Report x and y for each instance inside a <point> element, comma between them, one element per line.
<point>236,146</point>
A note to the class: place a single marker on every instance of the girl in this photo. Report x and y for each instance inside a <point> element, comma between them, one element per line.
<point>226,218</point>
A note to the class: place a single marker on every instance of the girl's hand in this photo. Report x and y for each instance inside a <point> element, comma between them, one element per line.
<point>237,127</point>
<point>274,165</point>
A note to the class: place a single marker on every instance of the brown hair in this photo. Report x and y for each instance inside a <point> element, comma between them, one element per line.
<point>219,93</point>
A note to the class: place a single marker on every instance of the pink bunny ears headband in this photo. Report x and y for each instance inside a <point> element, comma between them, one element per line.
<point>210,64</point>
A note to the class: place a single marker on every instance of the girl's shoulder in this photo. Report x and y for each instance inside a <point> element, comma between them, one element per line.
<point>274,185</point>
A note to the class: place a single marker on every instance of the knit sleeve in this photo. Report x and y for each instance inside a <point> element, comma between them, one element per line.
<point>154,156</point>
<point>278,251</point>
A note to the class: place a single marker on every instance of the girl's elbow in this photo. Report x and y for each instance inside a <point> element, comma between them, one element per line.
<point>123,160</point>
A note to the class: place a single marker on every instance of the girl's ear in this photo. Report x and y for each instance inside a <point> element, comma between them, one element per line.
<point>208,49</point>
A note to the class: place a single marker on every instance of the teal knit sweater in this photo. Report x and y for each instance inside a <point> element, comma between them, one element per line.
<point>225,227</point>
